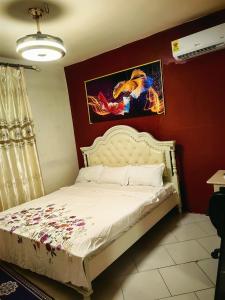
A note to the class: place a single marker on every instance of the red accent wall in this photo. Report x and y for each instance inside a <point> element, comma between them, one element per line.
<point>194,93</point>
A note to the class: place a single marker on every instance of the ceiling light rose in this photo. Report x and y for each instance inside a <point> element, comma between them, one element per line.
<point>39,46</point>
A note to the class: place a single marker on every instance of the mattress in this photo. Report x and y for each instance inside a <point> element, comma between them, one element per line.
<point>53,235</point>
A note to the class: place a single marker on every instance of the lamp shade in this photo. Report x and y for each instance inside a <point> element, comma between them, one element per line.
<point>40,47</point>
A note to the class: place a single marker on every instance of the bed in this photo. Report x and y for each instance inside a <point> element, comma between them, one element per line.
<point>69,236</point>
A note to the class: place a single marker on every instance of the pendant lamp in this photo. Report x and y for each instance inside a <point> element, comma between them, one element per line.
<point>39,46</point>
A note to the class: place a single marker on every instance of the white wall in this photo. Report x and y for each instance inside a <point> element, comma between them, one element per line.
<point>48,95</point>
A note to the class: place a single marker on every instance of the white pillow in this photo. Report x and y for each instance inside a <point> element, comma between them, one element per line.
<point>146,175</point>
<point>116,175</point>
<point>89,174</point>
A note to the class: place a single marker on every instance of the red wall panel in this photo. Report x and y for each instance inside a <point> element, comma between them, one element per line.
<point>195,105</point>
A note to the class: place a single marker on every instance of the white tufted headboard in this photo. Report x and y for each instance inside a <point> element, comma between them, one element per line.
<point>123,145</point>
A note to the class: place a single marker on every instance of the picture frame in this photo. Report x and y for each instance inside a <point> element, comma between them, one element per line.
<point>133,92</point>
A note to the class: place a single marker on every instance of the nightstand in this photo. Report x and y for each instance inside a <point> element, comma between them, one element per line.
<point>218,180</point>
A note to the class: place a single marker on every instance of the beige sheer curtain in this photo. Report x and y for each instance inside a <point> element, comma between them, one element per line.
<point>20,175</point>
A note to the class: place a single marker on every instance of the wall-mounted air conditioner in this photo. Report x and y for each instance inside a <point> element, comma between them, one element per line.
<point>199,43</point>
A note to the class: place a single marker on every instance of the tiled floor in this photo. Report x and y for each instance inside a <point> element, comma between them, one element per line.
<point>172,262</point>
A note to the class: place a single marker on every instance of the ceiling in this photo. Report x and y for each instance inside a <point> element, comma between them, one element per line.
<point>91,27</point>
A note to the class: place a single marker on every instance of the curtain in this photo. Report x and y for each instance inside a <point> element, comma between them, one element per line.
<point>20,175</point>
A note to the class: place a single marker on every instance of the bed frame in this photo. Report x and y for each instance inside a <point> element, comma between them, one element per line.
<point>123,145</point>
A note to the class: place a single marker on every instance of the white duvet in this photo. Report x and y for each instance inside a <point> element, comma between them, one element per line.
<point>53,234</point>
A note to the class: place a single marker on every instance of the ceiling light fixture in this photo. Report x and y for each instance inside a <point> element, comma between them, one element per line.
<point>39,46</point>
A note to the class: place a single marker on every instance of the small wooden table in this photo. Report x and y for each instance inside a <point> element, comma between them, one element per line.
<point>218,180</point>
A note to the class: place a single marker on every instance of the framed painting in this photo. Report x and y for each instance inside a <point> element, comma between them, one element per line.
<point>133,92</point>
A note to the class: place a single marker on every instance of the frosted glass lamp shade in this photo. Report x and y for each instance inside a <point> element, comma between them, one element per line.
<point>40,47</point>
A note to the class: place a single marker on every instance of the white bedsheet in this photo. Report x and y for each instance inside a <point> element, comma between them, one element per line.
<point>53,234</point>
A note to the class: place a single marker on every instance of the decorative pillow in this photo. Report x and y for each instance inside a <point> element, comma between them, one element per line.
<point>114,175</point>
<point>146,175</point>
<point>90,174</point>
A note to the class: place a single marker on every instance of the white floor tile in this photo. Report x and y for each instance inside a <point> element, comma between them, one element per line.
<point>188,218</point>
<point>162,233</point>
<point>186,251</point>
<point>159,235</point>
<point>105,290</point>
<point>210,243</point>
<point>185,278</point>
<point>144,286</point>
<point>167,238</point>
<point>200,217</point>
<point>188,232</point>
<point>206,294</point>
<point>207,227</point>
<point>153,259</point>
<point>123,266</point>
<point>209,266</point>
<point>191,296</point>
<point>164,237</point>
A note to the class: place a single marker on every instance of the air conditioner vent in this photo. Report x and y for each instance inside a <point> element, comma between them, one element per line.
<point>199,51</point>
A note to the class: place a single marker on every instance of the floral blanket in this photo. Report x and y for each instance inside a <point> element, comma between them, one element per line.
<point>50,224</point>
<point>53,234</point>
